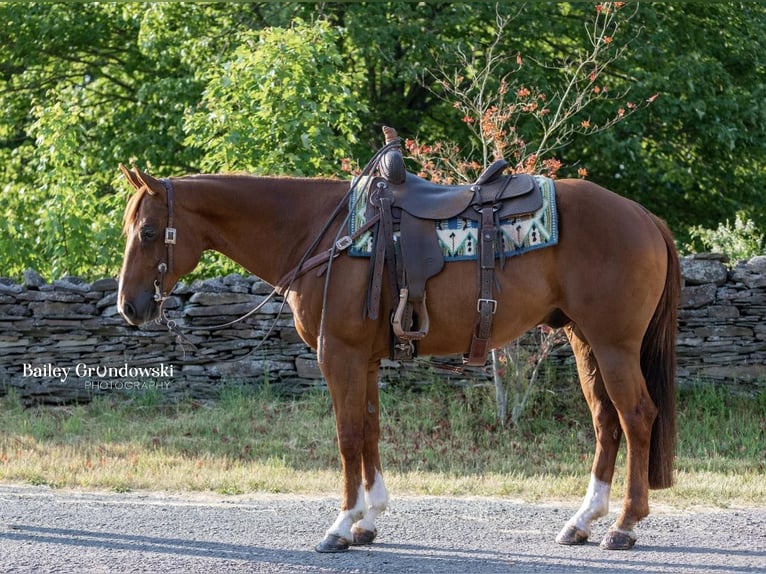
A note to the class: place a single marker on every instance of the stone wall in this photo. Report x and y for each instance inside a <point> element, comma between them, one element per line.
<point>65,341</point>
<point>722,319</point>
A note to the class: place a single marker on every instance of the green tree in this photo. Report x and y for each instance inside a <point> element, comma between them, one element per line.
<point>80,96</point>
<point>84,86</point>
<point>283,104</point>
<point>697,155</point>
<point>88,86</point>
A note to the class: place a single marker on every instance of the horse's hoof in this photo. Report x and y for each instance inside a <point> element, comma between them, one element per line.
<point>333,543</point>
<point>362,536</point>
<point>570,535</point>
<point>617,539</point>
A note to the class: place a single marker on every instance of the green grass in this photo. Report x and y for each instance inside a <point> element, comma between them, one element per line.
<point>442,440</point>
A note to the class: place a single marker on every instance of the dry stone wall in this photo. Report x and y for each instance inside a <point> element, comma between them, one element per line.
<point>64,341</point>
<point>722,319</point>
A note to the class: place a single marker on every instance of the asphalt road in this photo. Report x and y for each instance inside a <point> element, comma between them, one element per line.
<point>44,530</point>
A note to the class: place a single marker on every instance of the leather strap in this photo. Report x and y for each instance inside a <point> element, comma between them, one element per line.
<point>486,305</point>
<point>165,267</point>
<point>382,253</point>
<point>376,275</point>
<point>321,258</point>
<point>170,230</point>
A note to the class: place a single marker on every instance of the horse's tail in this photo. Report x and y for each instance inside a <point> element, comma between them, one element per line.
<point>658,364</point>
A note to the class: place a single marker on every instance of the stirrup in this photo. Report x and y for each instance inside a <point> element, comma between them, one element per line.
<point>399,314</point>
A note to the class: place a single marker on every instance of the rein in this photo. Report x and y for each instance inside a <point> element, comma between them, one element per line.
<point>341,243</point>
<point>345,241</point>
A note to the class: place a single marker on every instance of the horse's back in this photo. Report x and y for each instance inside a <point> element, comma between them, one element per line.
<point>594,215</point>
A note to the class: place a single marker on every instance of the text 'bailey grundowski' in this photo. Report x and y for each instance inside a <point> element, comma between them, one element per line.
<point>84,371</point>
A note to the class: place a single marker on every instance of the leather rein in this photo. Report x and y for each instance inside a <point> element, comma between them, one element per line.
<point>307,263</point>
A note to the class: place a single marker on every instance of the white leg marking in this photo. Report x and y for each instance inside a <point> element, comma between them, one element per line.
<point>377,502</point>
<point>346,518</point>
<point>594,505</point>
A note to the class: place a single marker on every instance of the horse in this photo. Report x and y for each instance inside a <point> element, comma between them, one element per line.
<point>612,283</point>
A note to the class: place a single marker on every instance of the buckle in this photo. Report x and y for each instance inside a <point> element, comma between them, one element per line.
<point>492,303</point>
<point>170,235</point>
<point>343,243</point>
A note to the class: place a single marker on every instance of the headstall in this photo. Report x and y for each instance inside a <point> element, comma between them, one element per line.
<point>165,267</point>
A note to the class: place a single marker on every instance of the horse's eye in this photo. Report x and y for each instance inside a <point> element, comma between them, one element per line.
<point>148,233</point>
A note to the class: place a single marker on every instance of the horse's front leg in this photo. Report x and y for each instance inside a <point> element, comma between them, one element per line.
<point>375,493</point>
<point>354,392</point>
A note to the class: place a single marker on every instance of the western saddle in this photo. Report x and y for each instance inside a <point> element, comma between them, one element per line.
<point>410,205</point>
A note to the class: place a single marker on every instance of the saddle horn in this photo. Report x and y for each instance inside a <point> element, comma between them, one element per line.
<point>391,164</point>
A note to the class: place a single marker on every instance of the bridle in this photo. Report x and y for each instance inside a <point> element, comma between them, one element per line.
<point>161,291</point>
<point>165,267</point>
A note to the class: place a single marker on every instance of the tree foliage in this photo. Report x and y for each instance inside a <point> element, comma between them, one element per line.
<point>283,103</point>
<point>293,88</point>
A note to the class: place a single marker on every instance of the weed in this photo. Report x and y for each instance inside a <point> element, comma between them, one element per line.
<point>72,425</point>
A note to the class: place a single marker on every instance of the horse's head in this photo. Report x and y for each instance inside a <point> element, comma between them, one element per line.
<point>159,248</point>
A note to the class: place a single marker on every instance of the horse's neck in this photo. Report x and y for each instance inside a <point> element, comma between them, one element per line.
<point>264,224</point>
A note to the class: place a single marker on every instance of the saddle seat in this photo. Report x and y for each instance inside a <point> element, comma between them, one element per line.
<point>512,195</point>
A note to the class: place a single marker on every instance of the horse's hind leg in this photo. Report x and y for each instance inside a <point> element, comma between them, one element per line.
<point>620,388</point>
<point>608,432</point>
<point>625,383</point>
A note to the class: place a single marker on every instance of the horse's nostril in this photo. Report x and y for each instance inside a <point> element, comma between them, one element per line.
<point>129,310</point>
<point>138,309</point>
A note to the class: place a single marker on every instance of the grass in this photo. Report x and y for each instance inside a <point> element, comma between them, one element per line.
<point>439,441</point>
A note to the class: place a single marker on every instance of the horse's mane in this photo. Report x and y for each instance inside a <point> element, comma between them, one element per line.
<point>131,210</point>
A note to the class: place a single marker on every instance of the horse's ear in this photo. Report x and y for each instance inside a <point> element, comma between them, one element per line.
<point>136,178</point>
<point>132,177</point>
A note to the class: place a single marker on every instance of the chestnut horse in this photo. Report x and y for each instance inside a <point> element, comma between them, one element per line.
<point>612,282</point>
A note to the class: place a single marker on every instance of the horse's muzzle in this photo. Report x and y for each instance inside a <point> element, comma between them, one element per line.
<point>142,309</point>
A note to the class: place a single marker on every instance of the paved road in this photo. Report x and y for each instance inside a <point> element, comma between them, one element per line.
<point>43,530</point>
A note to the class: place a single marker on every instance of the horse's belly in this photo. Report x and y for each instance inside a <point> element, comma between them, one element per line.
<point>524,298</point>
